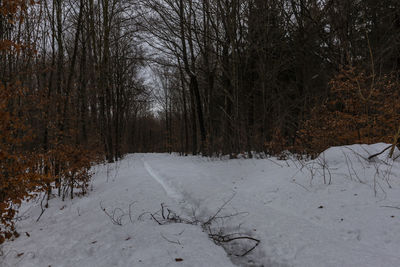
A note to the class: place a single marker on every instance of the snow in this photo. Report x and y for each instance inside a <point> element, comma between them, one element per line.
<point>79,233</point>
<point>340,209</point>
<point>171,192</point>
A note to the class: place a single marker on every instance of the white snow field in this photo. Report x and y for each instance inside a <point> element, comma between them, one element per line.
<point>340,209</point>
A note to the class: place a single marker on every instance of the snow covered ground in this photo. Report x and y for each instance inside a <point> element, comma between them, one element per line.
<point>340,209</point>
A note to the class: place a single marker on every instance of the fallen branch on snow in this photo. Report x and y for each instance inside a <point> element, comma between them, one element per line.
<point>167,216</point>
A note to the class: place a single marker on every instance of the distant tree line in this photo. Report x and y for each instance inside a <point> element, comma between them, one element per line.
<point>245,75</point>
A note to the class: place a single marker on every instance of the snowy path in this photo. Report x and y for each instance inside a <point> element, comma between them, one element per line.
<point>79,233</point>
<point>300,222</point>
<point>337,225</point>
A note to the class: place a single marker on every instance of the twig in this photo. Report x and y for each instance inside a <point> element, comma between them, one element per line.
<point>301,186</point>
<point>41,206</point>
<point>117,219</point>
<point>219,210</point>
<point>395,141</point>
<point>114,220</point>
<point>22,216</point>
<point>139,218</point>
<point>170,241</point>
<point>232,215</point>
<point>379,153</point>
<point>154,218</point>
<point>226,239</point>
<point>393,207</point>
<point>280,165</point>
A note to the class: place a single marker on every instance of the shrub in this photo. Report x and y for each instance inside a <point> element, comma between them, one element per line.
<point>361,108</point>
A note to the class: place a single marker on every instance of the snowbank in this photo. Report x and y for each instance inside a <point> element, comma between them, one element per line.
<point>343,154</point>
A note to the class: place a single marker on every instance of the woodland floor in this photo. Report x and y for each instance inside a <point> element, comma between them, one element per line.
<point>288,205</point>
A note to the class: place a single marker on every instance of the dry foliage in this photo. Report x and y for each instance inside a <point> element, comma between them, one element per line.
<point>17,176</point>
<point>28,163</point>
<point>25,168</point>
<point>361,108</point>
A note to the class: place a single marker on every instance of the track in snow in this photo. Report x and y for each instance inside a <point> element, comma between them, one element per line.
<point>171,192</point>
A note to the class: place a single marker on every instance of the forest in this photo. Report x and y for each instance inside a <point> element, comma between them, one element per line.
<point>89,81</point>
